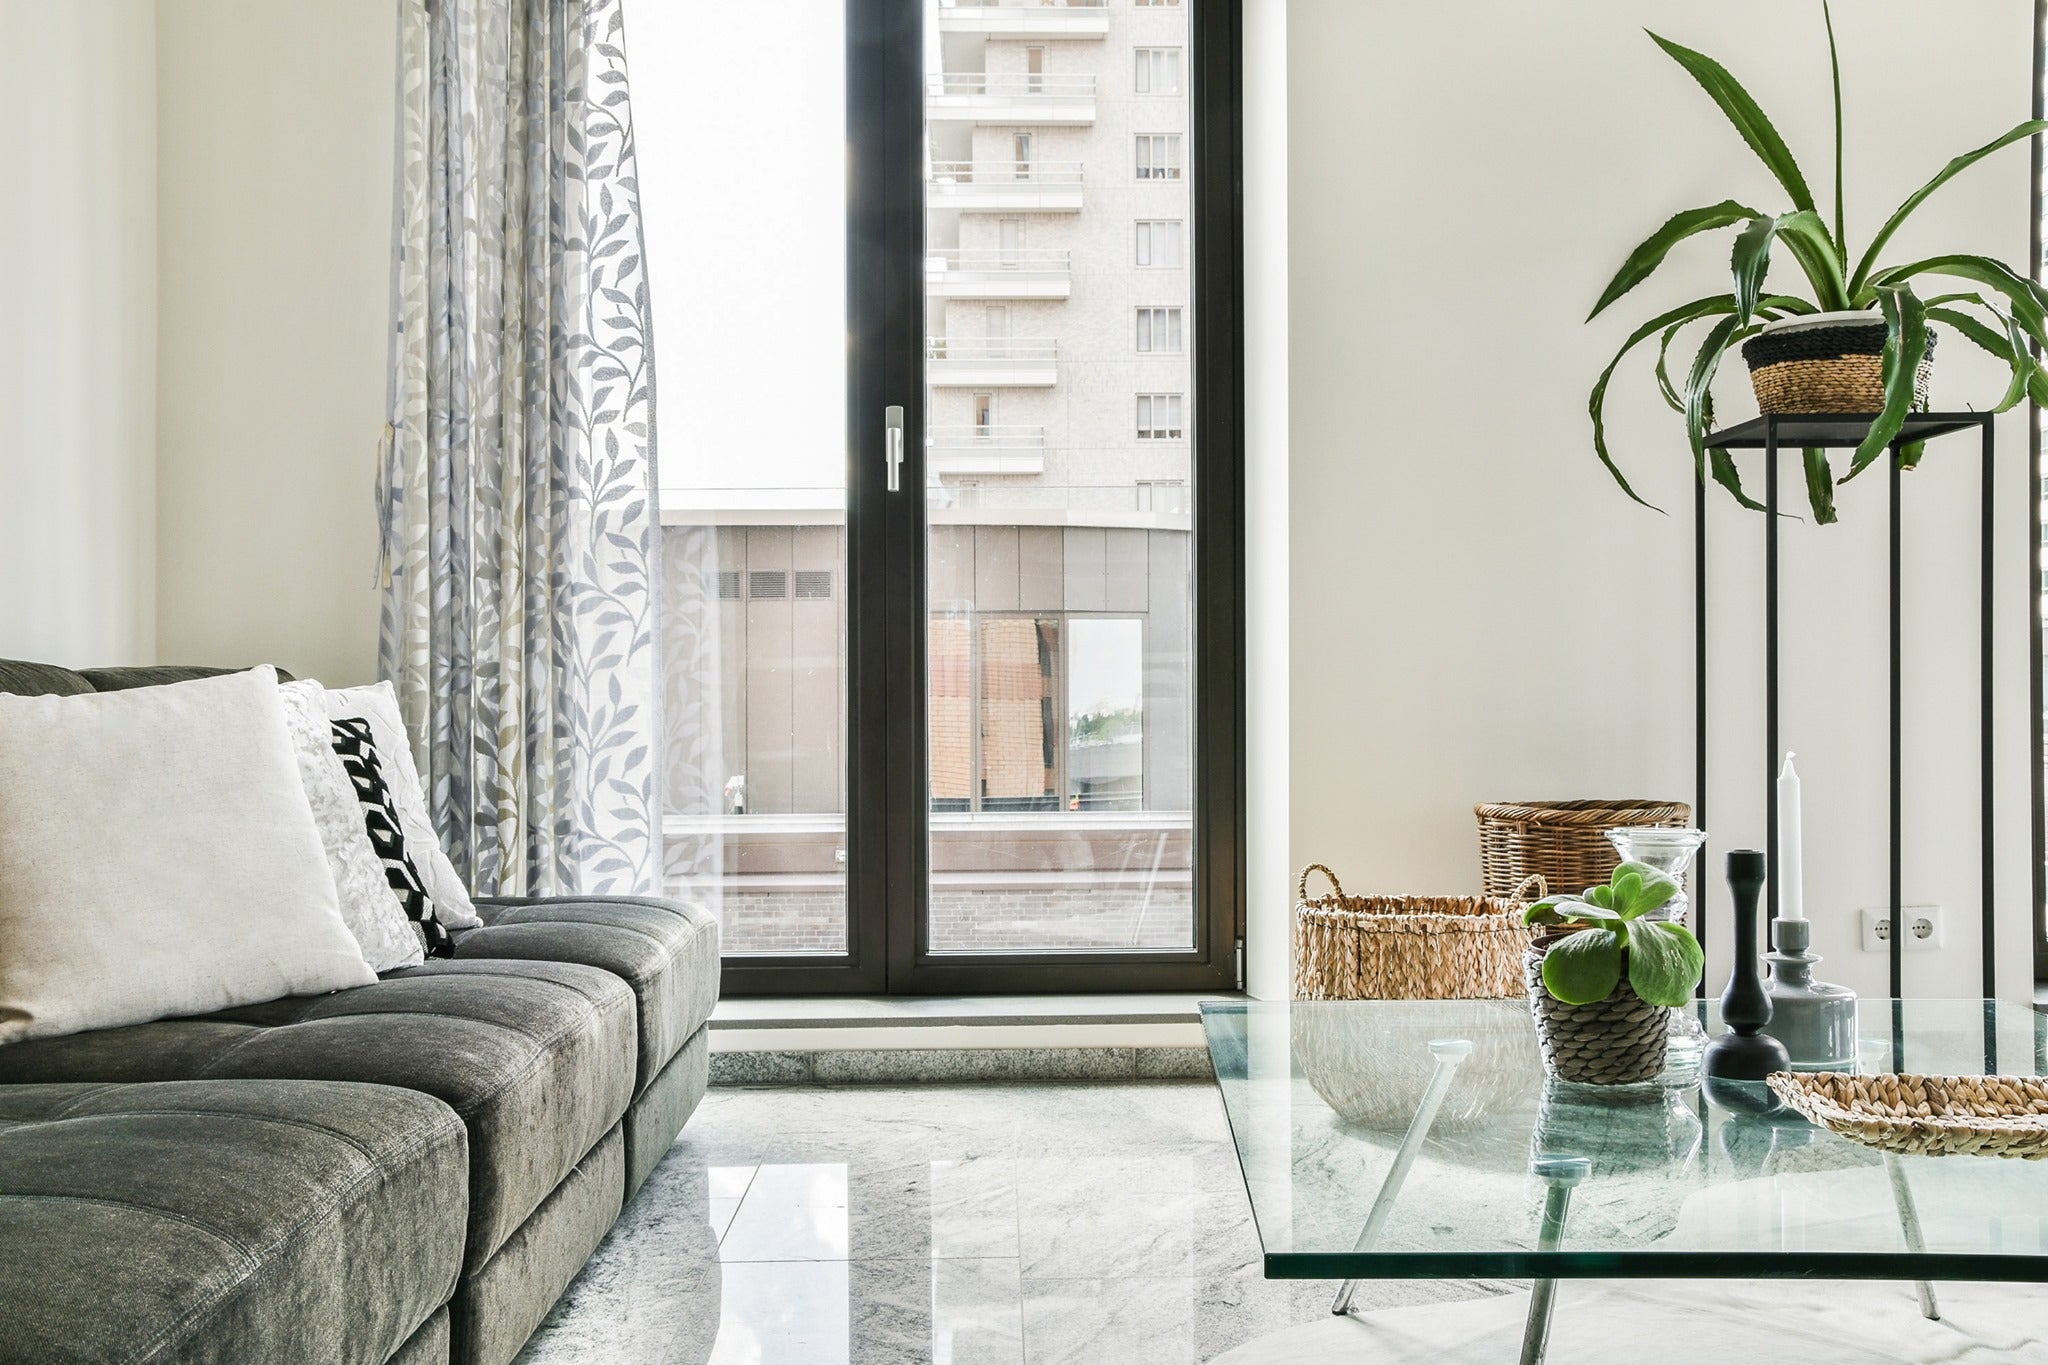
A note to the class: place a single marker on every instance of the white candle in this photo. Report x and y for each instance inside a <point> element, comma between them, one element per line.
<point>1791,901</point>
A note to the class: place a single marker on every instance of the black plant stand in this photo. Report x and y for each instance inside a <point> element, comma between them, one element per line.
<point>1845,432</point>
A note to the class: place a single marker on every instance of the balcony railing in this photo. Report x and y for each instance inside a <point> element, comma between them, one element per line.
<point>992,437</point>
<point>1034,173</point>
<point>1024,19</point>
<point>1001,273</point>
<point>1013,450</point>
<point>1035,350</point>
<point>1010,85</point>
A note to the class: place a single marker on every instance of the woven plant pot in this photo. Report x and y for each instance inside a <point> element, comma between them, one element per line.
<point>1616,1041</point>
<point>1827,362</point>
<point>1407,947</point>
<point>1563,842</point>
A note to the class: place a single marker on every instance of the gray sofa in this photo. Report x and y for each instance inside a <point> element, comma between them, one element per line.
<point>410,1171</point>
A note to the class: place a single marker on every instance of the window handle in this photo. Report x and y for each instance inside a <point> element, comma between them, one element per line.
<point>892,419</point>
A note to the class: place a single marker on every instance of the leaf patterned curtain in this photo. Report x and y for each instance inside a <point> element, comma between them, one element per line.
<point>518,495</point>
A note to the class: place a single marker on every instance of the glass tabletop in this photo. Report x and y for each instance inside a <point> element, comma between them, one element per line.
<point>1320,1096</point>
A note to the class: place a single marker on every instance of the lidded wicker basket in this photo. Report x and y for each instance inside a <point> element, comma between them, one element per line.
<point>1563,842</point>
<point>1408,947</point>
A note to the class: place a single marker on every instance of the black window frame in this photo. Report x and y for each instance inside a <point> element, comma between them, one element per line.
<point>888,807</point>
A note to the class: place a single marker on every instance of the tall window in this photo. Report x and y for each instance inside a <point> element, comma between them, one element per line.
<point>1159,417</point>
<point>1159,243</point>
<point>1158,71</point>
<point>1158,156</point>
<point>1159,331</point>
<point>1021,773</point>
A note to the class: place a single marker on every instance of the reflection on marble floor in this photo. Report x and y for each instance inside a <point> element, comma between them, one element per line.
<point>958,1225</point>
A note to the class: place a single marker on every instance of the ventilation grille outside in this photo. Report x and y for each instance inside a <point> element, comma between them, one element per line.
<point>768,583</point>
<point>813,584</point>
<point>728,585</point>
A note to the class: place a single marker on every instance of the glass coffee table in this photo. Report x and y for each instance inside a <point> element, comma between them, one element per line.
<point>1421,1140</point>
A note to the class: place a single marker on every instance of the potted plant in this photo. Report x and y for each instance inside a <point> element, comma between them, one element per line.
<point>1861,318</point>
<point>1603,978</point>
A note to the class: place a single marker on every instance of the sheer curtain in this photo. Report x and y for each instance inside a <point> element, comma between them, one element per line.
<point>518,495</point>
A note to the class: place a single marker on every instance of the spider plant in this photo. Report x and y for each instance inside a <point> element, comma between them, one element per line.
<point>1999,309</point>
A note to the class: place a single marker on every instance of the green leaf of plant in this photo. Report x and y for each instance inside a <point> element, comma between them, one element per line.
<point>2012,347</point>
<point>1542,912</point>
<point>1664,962</point>
<point>1686,312</point>
<point>1820,487</point>
<point>1699,409</point>
<point>1955,167</point>
<point>1835,69</point>
<point>1628,884</point>
<point>2029,302</point>
<point>1644,260</point>
<point>1749,262</point>
<point>1601,896</point>
<point>1583,968</point>
<point>1905,344</point>
<point>1664,384</point>
<point>1652,890</point>
<point>1806,237</point>
<point>1746,115</point>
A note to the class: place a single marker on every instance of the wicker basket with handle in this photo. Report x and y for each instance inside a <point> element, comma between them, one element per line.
<point>1408,947</point>
<point>1563,842</point>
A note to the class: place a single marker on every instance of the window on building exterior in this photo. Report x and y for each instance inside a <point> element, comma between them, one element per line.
<point>1159,331</point>
<point>1159,156</point>
<point>1158,71</point>
<point>1163,495</point>
<point>1159,417</point>
<point>1159,243</point>
<point>984,413</point>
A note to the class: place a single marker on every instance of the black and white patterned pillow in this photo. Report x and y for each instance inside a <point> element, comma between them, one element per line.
<point>358,755</point>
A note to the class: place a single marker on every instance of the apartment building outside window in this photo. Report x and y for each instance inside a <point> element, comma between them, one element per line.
<point>1159,331</point>
<point>1158,156</point>
<point>1159,243</point>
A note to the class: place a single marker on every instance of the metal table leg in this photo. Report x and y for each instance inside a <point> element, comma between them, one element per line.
<point>1909,1223</point>
<point>1448,1052</point>
<point>1560,1173</point>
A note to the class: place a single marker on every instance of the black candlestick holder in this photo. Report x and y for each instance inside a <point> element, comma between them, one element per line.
<point>1738,1061</point>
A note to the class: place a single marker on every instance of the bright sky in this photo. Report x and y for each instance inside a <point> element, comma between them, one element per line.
<point>740,115</point>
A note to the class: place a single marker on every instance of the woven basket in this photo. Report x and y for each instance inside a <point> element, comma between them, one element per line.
<point>1827,365</point>
<point>1616,1041</point>
<point>1408,947</point>
<point>1563,842</point>
<point>1926,1115</point>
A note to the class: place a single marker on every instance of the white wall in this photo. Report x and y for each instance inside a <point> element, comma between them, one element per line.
<point>77,330</point>
<point>1477,613</point>
<point>275,153</point>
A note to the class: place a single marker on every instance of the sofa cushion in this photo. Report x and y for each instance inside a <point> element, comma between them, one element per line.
<point>536,1057</point>
<point>25,679</point>
<point>224,1221</point>
<point>665,950</point>
<point>155,675</point>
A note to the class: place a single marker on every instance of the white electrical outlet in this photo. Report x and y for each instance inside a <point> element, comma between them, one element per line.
<point>1923,928</point>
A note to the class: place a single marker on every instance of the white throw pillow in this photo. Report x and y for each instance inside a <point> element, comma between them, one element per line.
<point>378,704</point>
<point>158,857</point>
<point>368,906</point>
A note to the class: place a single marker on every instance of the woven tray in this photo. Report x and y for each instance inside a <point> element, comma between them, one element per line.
<point>1926,1115</point>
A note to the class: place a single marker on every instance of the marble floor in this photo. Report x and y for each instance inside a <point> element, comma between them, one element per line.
<point>1097,1224</point>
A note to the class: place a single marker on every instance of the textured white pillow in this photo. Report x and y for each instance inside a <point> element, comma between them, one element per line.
<point>378,704</point>
<point>158,857</point>
<point>368,906</point>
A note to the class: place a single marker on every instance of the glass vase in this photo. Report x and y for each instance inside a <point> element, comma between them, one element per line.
<point>1671,852</point>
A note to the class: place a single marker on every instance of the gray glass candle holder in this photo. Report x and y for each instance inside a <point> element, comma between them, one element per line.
<point>1815,1020</point>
